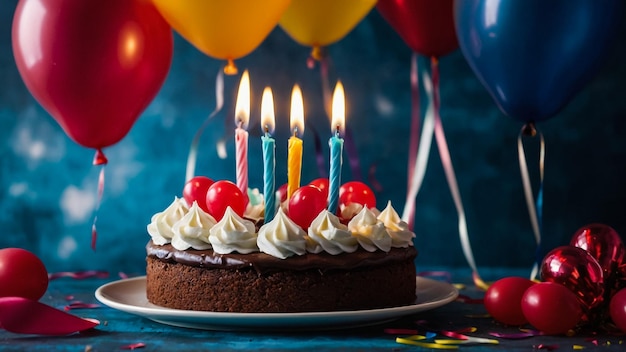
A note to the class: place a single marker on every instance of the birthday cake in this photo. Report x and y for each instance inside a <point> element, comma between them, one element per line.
<point>233,263</point>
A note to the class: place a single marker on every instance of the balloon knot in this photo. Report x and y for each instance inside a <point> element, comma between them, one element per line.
<point>529,129</point>
<point>318,53</point>
<point>230,68</point>
<point>100,158</point>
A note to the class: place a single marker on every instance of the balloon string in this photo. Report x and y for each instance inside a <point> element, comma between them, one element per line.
<point>535,208</point>
<point>94,231</point>
<point>446,161</point>
<point>414,131</point>
<point>193,149</point>
<point>423,152</point>
<point>351,150</point>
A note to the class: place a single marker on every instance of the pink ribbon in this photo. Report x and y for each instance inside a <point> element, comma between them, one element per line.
<point>24,316</point>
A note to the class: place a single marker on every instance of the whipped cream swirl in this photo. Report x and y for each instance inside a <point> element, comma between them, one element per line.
<point>233,234</point>
<point>192,231</point>
<point>160,227</point>
<point>369,231</point>
<point>281,237</point>
<point>401,236</point>
<point>327,233</point>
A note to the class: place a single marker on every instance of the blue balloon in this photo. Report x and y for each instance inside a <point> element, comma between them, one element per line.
<point>533,56</point>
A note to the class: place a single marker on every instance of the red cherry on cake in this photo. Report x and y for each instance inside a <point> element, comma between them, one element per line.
<point>305,204</point>
<point>224,194</point>
<point>281,193</point>
<point>321,183</point>
<point>22,274</point>
<point>196,190</point>
<point>356,192</point>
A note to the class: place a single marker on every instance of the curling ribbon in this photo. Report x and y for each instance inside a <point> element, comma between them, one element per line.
<point>446,161</point>
<point>535,210</point>
<point>193,149</point>
<point>414,134</point>
<point>94,231</point>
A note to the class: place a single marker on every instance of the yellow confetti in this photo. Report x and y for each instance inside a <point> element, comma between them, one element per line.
<point>578,347</point>
<point>425,344</point>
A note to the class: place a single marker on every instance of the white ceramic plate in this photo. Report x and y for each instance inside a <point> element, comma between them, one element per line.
<point>129,295</point>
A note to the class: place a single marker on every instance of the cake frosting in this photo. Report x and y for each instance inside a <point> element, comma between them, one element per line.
<point>281,237</point>
<point>191,227</point>
<point>233,234</point>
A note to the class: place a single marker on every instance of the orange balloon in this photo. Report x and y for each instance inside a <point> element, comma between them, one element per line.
<point>223,29</point>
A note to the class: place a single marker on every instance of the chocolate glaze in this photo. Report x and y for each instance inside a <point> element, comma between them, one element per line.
<point>262,262</point>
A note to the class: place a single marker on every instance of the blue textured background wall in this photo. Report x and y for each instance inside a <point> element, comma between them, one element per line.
<point>48,186</point>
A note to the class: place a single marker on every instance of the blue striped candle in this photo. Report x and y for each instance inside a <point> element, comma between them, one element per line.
<point>269,164</point>
<point>334,180</point>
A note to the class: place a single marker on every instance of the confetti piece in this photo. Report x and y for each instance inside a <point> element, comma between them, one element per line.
<point>79,275</point>
<point>133,346</point>
<point>578,347</point>
<point>545,347</point>
<point>516,336</point>
<point>122,275</point>
<point>469,300</point>
<point>81,305</point>
<point>401,331</point>
<point>425,344</point>
<point>478,316</point>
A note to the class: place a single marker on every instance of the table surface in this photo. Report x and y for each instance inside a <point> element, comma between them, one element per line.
<point>119,330</point>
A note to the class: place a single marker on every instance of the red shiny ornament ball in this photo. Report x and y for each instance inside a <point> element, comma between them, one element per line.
<point>196,190</point>
<point>617,309</point>
<point>305,204</point>
<point>356,192</point>
<point>22,274</point>
<point>604,244</point>
<point>551,308</point>
<point>577,270</point>
<point>503,300</point>
<point>281,193</point>
<point>224,194</point>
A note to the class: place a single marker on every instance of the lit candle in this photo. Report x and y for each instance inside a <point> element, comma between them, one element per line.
<point>294,153</point>
<point>336,147</point>
<point>269,153</point>
<point>242,116</point>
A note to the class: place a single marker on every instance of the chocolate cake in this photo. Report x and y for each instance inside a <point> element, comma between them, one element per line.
<point>258,282</point>
<point>197,263</point>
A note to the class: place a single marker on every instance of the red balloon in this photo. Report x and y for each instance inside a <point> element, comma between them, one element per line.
<point>577,270</point>
<point>22,274</point>
<point>426,26</point>
<point>551,308</point>
<point>357,192</point>
<point>321,183</point>
<point>604,244</point>
<point>305,204</point>
<point>503,300</point>
<point>196,190</point>
<point>224,194</point>
<point>617,309</point>
<point>93,65</point>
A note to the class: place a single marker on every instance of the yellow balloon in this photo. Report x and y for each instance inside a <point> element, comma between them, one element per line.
<point>319,23</point>
<point>223,29</point>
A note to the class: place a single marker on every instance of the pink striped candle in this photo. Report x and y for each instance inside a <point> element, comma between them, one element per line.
<point>242,116</point>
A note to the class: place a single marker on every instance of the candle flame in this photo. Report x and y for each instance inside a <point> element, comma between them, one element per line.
<point>338,120</point>
<point>267,111</point>
<point>242,106</point>
<point>296,117</point>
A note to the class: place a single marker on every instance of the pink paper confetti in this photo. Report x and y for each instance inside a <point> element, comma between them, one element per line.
<point>515,336</point>
<point>545,347</point>
<point>79,275</point>
<point>24,316</point>
<point>133,346</point>
<point>81,305</point>
<point>122,275</point>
